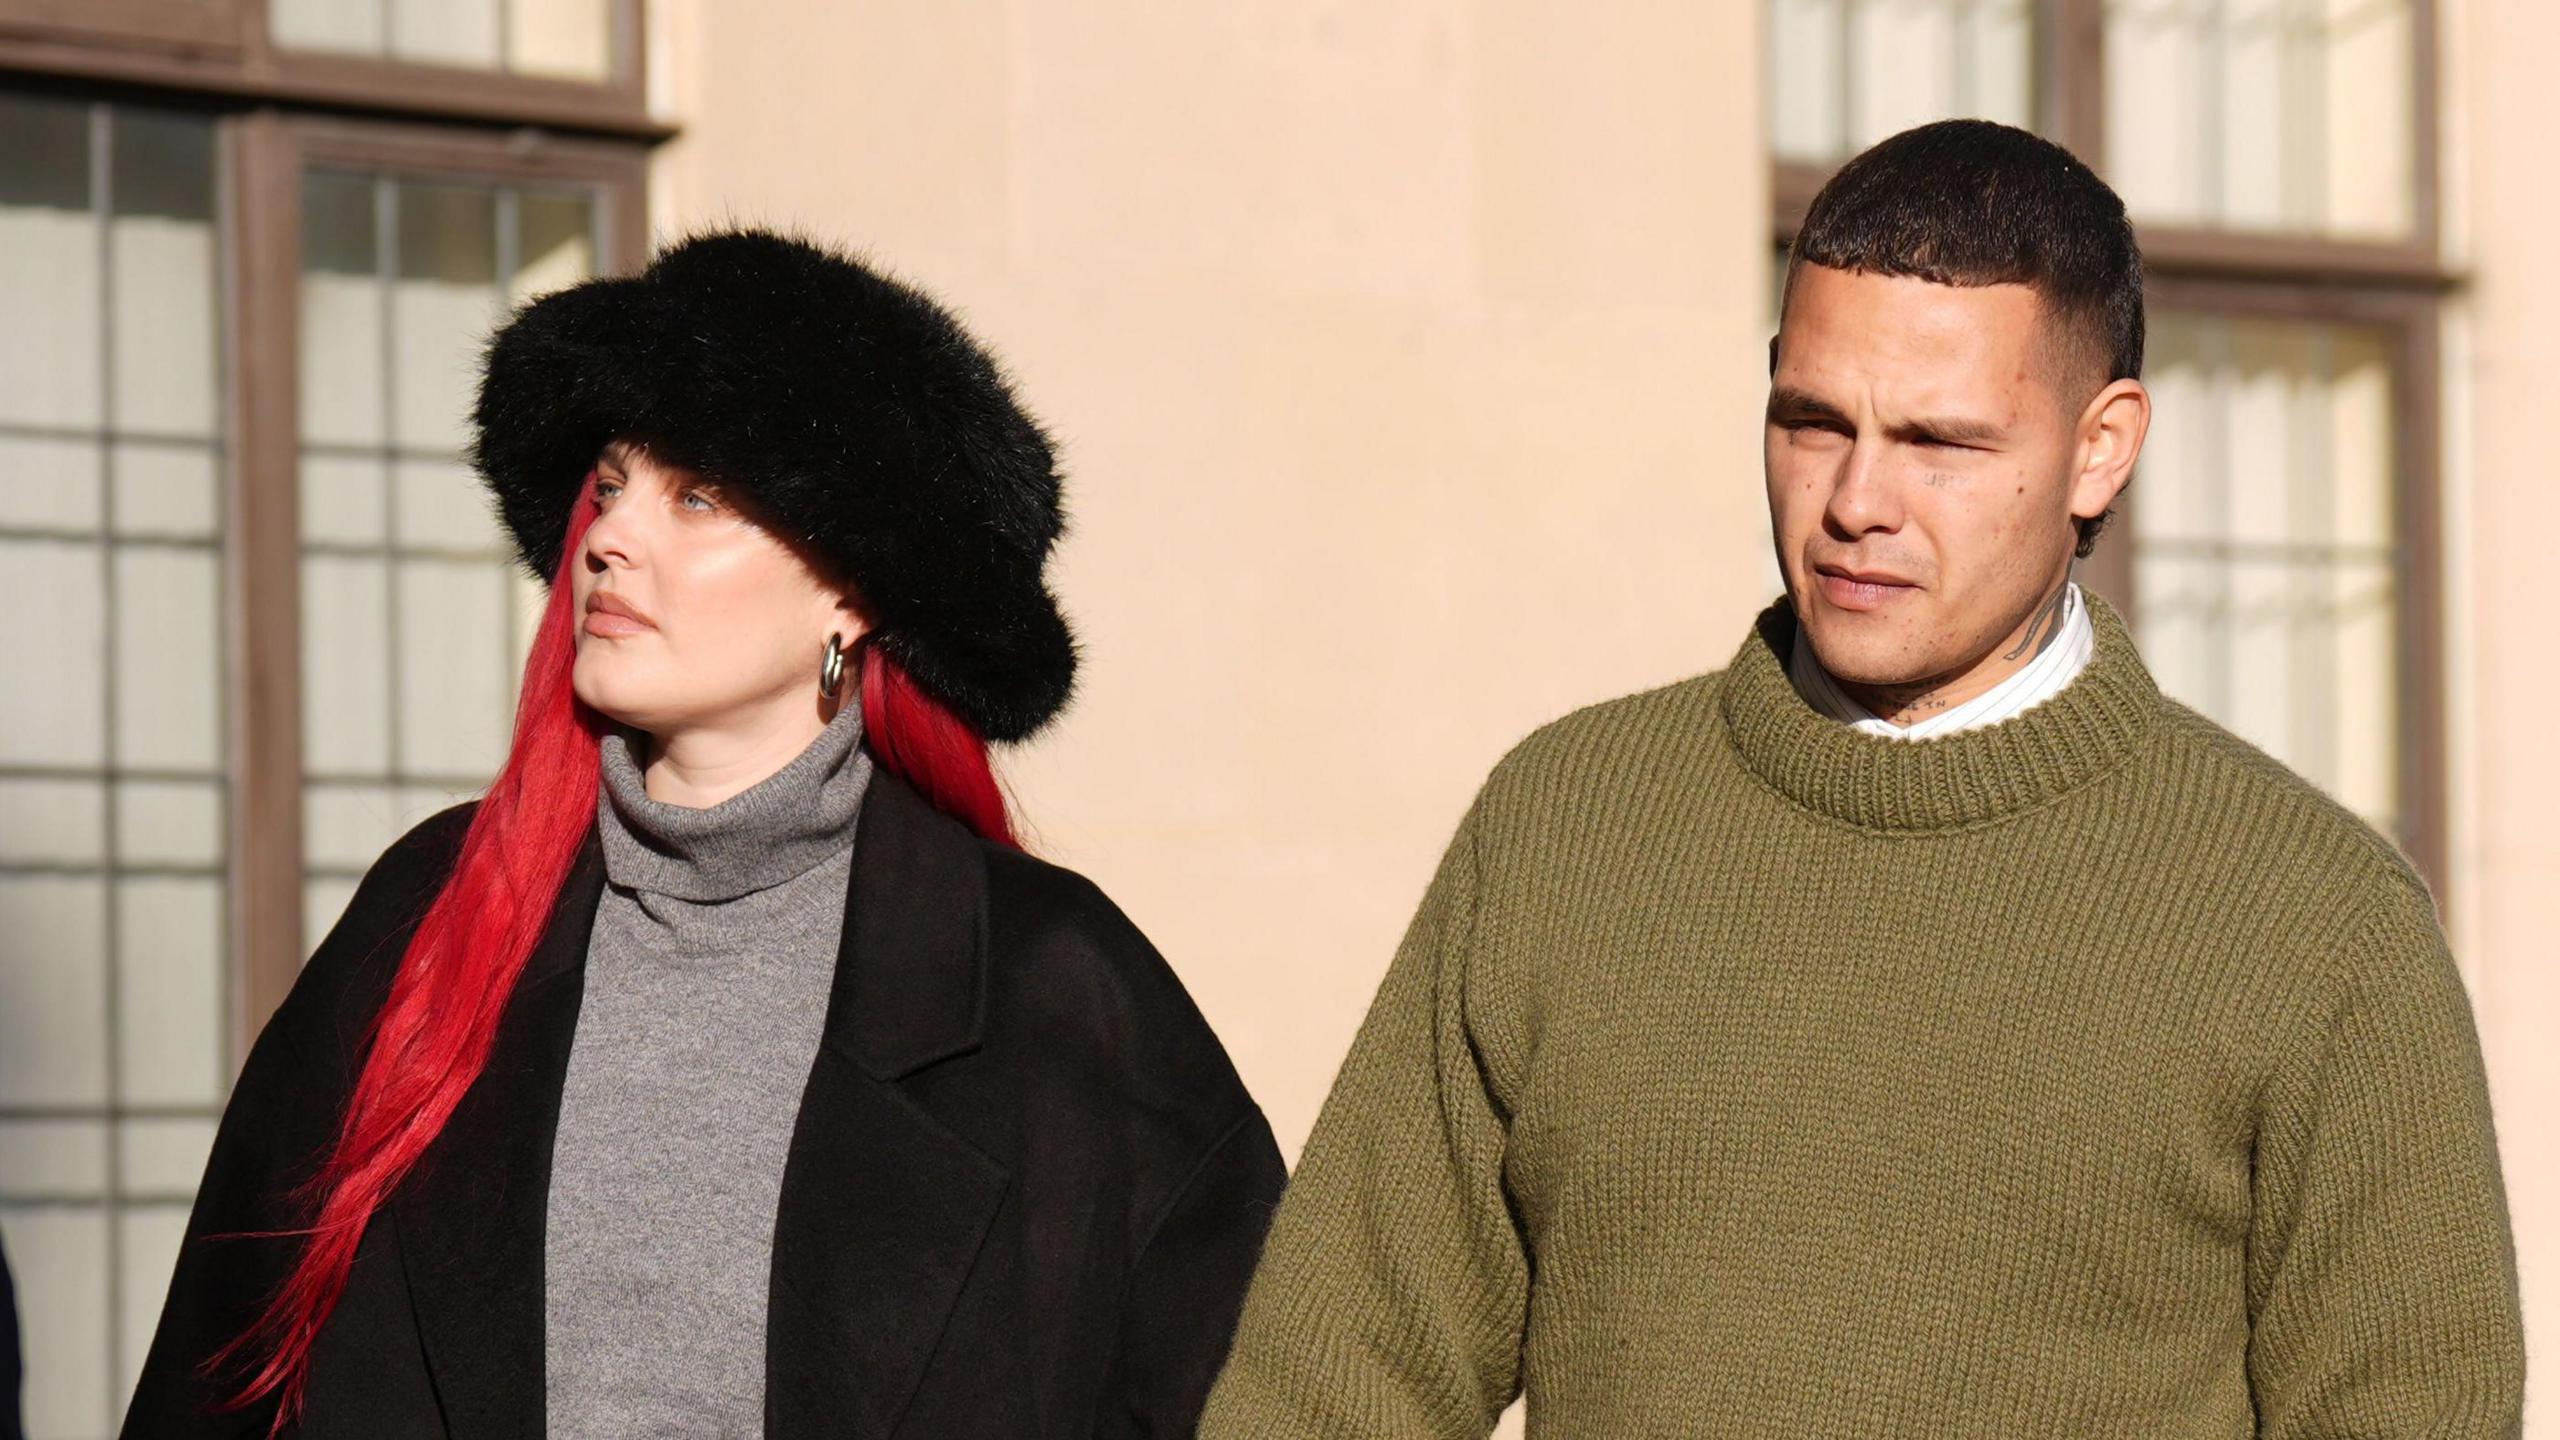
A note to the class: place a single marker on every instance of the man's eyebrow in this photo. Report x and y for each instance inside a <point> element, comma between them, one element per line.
<point>1954,429</point>
<point>1789,403</point>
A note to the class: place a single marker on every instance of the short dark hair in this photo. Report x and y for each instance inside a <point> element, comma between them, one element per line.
<point>1972,202</point>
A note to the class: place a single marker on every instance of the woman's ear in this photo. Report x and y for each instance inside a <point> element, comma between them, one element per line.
<point>846,618</point>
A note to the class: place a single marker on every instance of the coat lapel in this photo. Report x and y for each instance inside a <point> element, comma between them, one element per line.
<point>471,1219</point>
<point>883,1206</point>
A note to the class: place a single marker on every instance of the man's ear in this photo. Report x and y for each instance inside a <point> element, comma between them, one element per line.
<point>2111,432</point>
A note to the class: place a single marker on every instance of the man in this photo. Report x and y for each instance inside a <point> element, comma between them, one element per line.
<point>1750,1070</point>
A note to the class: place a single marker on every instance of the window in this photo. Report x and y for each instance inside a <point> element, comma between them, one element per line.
<point>2264,115</point>
<point>2270,603</point>
<point>115,1047</point>
<point>2276,552</point>
<point>1848,73</point>
<point>274,619</point>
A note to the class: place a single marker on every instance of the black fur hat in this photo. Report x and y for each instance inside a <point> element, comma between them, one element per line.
<point>853,412</point>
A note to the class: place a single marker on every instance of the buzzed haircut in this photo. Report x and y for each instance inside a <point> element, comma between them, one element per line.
<point>1973,202</point>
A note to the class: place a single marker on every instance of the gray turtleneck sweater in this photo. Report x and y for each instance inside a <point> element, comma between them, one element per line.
<point>706,984</point>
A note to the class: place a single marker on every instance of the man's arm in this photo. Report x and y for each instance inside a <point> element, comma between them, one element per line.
<point>1392,1291</point>
<point>2382,1280</point>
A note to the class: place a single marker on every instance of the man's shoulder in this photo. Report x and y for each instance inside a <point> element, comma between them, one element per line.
<point>1604,747</point>
<point>2326,838</point>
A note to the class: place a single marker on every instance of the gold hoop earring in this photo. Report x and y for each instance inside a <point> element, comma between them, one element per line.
<point>831,667</point>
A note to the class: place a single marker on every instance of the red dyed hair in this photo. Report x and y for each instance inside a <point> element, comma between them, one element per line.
<point>433,1035</point>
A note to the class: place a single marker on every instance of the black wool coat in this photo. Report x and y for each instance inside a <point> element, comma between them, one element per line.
<point>1022,1198</point>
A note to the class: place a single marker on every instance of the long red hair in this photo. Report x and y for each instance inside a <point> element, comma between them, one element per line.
<point>433,1035</point>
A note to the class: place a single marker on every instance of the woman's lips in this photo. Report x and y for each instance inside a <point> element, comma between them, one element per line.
<point>610,615</point>
<point>1847,594</point>
<point>607,622</point>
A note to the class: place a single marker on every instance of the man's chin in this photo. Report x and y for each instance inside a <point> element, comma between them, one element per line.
<point>1860,647</point>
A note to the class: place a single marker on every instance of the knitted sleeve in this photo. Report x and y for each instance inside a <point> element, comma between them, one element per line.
<point>2381,1276</point>
<point>1392,1290</point>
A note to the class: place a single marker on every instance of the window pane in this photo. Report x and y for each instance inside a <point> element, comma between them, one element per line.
<point>168,605</point>
<point>169,822</point>
<point>350,26</point>
<point>50,371</point>
<point>2287,115</point>
<point>555,245</point>
<point>441,505</point>
<point>162,1157</point>
<point>54,593</point>
<point>161,247</point>
<point>1844,74</point>
<point>147,1239</point>
<point>567,39</point>
<point>169,1010</point>
<point>446,32</point>
<point>167,490</point>
<point>344,826</point>
<point>57,1255</point>
<point>52,821</point>
<point>346,669</point>
<point>53,1014</point>
<point>2265,555</point>
<point>50,482</point>
<point>342,499</point>
<point>444,302</point>
<point>48,1159</point>
<point>453,656</point>
<point>343,387</point>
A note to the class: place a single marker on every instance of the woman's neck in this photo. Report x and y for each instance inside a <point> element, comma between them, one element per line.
<point>758,836</point>
<point>700,766</point>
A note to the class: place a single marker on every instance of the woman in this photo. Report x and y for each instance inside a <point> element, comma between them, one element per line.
<point>727,1069</point>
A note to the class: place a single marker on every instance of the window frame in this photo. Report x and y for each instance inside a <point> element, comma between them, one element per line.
<point>271,152</point>
<point>226,48</point>
<point>2396,286</point>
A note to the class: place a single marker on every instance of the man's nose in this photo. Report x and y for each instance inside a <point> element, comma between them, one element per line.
<point>1864,493</point>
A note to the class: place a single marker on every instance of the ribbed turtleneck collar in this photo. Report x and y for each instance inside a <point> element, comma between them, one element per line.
<point>2095,724</point>
<point>763,835</point>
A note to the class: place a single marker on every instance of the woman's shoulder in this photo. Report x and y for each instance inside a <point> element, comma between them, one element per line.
<point>1040,907</point>
<point>1069,965</point>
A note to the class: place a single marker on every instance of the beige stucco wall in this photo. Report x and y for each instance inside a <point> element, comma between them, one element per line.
<point>1407,361</point>
<point>2503,367</point>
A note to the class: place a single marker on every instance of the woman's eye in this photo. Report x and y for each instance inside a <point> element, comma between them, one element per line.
<point>707,502</point>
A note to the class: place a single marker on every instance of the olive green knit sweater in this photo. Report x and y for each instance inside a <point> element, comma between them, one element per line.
<point>1742,1075</point>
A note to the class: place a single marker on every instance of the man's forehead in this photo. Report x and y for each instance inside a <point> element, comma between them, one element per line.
<point>1864,300</point>
<point>1846,327</point>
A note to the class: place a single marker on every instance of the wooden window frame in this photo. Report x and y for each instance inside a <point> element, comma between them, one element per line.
<point>225,48</point>
<point>269,153</point>
<point>2394,286</point>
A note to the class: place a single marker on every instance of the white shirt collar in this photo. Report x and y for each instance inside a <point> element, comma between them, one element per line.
<point>2039,680</point>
